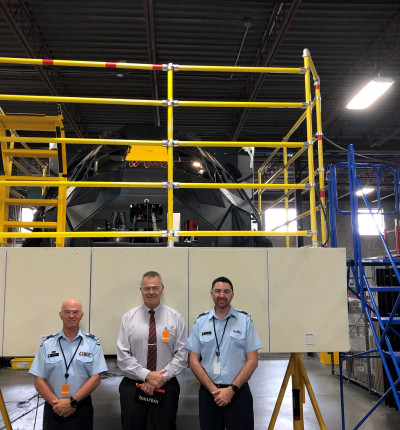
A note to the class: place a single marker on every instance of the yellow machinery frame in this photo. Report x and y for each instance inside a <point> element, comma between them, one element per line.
<point>7,145</point>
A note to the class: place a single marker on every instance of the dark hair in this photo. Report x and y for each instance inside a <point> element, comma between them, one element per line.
<point>222,279</point>
<point>152,274</point>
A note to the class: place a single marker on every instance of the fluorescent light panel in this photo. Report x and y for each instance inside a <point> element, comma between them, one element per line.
<point>371,92</point>
<point>366,190</point>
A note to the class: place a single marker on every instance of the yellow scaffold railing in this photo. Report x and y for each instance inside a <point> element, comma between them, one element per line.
<point>9,180</point>
<point>307,115</point>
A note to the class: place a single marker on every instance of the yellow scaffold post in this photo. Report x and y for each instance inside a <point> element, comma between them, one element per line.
<point>298,372</point>
<point>170,125</point>
<point>307,61</point>
<point>321,170</point>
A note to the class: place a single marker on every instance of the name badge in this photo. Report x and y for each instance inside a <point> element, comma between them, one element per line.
<point>217,368</point>
<point>53,354</point>
<point>205,332</point>
<point>64,390</point>
<point>165,336</point>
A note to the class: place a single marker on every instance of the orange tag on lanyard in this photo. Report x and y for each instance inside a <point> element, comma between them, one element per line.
<point>165,336</point>
<point>65,390</point>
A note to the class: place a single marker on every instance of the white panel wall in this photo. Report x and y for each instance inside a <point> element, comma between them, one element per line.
<point>308,300</point>
<point>3,256</point>
<point>246,268</point>
<point>38,280</point>
<point>293,295</point>
<point>116,276</point>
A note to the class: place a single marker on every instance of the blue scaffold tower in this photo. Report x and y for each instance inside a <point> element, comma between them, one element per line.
<point>384,328</point>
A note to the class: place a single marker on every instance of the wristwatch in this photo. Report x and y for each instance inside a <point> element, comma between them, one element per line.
<point>74,403</point>
<point>235,388</point>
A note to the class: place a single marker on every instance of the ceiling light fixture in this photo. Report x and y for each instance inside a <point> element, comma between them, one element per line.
<point>367,190</point>
<point>196,164</point>
<point>371,92</point>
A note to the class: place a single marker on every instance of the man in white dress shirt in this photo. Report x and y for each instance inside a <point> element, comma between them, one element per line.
<point>150,353</point>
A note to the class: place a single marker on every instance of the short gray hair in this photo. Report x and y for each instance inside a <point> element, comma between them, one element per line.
<point>152,274</point>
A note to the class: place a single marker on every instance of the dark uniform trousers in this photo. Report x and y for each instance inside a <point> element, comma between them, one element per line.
<point>82,419</point>
<point>237,415</point>
<point>134,415</point>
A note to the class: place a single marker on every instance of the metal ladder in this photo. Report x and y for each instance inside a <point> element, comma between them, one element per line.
<point>11,156</point>
<point>387,324</point>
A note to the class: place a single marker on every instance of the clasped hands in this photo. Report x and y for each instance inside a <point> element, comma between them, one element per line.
<point>223,396</point>
<point>63,408</point>
<point>154,379</point>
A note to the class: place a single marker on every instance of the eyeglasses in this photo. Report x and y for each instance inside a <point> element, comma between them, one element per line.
<point>148,289</point>
<point>74,313</point>
<point>225,292</point>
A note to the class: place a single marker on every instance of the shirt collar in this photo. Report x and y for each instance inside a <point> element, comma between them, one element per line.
<point>62,334</point>
<point>156,309</point>
<point>231,313</point>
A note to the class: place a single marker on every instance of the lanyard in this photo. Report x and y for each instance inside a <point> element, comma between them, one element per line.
<point>65,361</point>
<point>215,334</point>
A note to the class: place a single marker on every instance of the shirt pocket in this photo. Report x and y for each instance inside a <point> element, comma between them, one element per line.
<point>83,364</point>
<point>55,361</point>
<point>237,337</point>
<point>207,344</point>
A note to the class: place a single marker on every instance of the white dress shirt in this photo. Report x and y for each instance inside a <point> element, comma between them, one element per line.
<point>132,343</point>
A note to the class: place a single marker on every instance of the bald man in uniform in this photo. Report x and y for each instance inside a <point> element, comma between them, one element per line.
<point>67,369</point>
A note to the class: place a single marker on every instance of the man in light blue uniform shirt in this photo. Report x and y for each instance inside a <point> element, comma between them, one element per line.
<point>67,369</point>
<point>223,348</point>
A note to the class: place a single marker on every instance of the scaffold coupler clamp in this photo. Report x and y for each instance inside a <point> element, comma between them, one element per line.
<point>304,70</point>
<point>306,144</point>
<point>164,233</point>
<point>317,82</point>
<point>170,102</point>
<point>321,169</point>
<point>170,142</point>
<point>311,232</point>
<point>170,184</point>
<point>170,66</point>
<point>303,104</point>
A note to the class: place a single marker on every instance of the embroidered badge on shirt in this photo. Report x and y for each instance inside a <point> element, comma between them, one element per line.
<point>237,331</point>
<point>85,354</point>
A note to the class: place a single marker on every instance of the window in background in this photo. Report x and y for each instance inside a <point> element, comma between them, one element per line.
<point>27,216</point>
<point>366,224</point>
<point>274,217</point>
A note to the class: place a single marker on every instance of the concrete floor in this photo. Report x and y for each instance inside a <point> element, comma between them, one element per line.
<point>20,398</point>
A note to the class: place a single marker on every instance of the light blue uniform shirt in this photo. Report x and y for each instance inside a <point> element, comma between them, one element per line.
<point>240,338</point>
<point>49,361</point>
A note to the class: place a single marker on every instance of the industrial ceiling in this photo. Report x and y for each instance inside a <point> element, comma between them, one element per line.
<point>349,41</point>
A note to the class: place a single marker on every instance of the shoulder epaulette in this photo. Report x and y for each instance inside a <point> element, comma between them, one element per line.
<point>92,336</point>
<point>243,312</point>
<point>204,313</point>
<point>48,337</point>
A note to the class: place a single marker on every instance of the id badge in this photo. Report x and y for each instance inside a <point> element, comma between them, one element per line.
<point>165,336</point>
<point>217,368</point>
<point>65,390</point>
